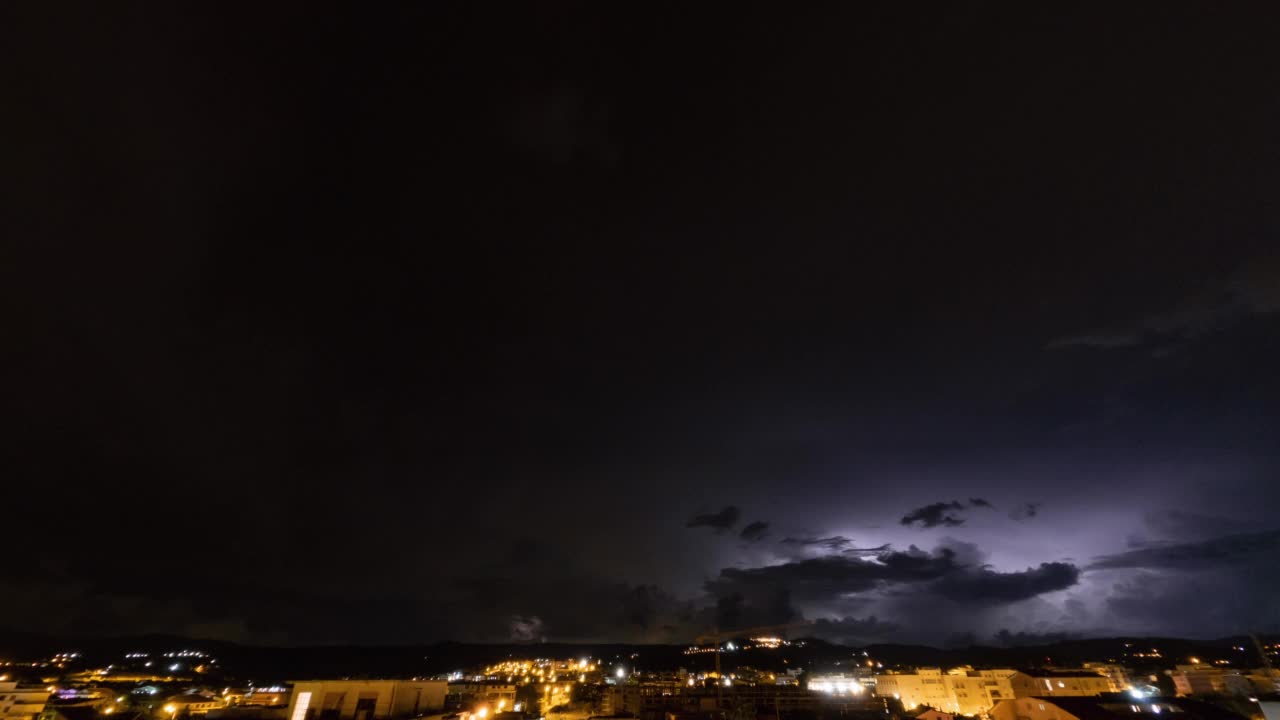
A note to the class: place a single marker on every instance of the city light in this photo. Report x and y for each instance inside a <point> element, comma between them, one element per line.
<point>620,673</point>
<point>482,712</point>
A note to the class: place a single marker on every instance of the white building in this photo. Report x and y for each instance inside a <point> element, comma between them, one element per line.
<point>21,703</point>
<point>365,699</point>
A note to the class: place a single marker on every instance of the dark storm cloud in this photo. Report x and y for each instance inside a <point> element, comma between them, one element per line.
<point>983,586</point>
<point>757,606</point>
<point>935,514</point>
<point>1194,604</point>
<point>1212,553</point>
<point>943,572</point>
<point>946,514</point>
<point>833,542</point>
<point>222,607</point>
<point>1188,525</point>
<point>527,629</point>
<point>597,609</point>
<point>867,551</point>
<point>1025,511</point>
<point>824,578</point>
<point>720,521</point>
<point>755,531</point>
<point>1251,289</point>
<point>1101,340</point>
<point>855,631</point>
<point>1007,638</point>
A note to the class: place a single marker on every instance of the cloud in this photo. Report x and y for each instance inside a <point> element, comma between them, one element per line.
<point>1007,638</point>
<point>1206,554</point>
<point>1025,511</point>
<point>829,576</point>
<point>867,551</point>
<point>984,586</point>
<point>1194,604</point>
<point>833,543</point>
<point>527,629</point>
<point>1252,289</point>
<point>1186,526</point>
<point>856,631</point>
<point>598,609</point>
<point>720,521</point>
<point>935,514</point>
<point>943,513</point>
<point>755,532</point>
<point>1099,339</point>
<point>941,572</point>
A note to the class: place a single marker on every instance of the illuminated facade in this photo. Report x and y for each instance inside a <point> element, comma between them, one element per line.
<point>497,696</point>
<point>975,692</point>
<point>1117,674</point>
<point>364,699</point>
<point>21,703</point>
<point>1209,680</point>
<point>1110,708</point>
<point>188,704</point>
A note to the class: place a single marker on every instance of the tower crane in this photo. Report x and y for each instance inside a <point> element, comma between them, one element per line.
<point>717,635</point>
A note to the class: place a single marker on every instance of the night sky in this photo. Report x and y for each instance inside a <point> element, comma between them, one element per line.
<point>616,322</point>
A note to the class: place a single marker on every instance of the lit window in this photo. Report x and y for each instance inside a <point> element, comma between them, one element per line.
<point>300,709</point>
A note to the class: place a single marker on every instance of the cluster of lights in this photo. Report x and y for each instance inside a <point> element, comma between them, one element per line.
<point>483,712</point>
<point>136,655</point>
<point>837,687</point>
<point>184,653</point>
<point>538,670</point>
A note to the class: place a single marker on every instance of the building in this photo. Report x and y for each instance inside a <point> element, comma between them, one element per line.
<point>1270,705</point>
<point>843,683</point>
<point>1117,674</point>
<point>1210,680</point>
<point>21,703</point>
<point>925,688</point>
<point>497,696</point>
<point>935,715</point>
<point>365,699</point>
<point>1266,681</point>
<point>268,696</point>
<point>965,691</point>
<point>1109,707</point>
<point>74,712</point>
<point>659,700</point>
<point>189,704</point>
<point>650,698</point>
